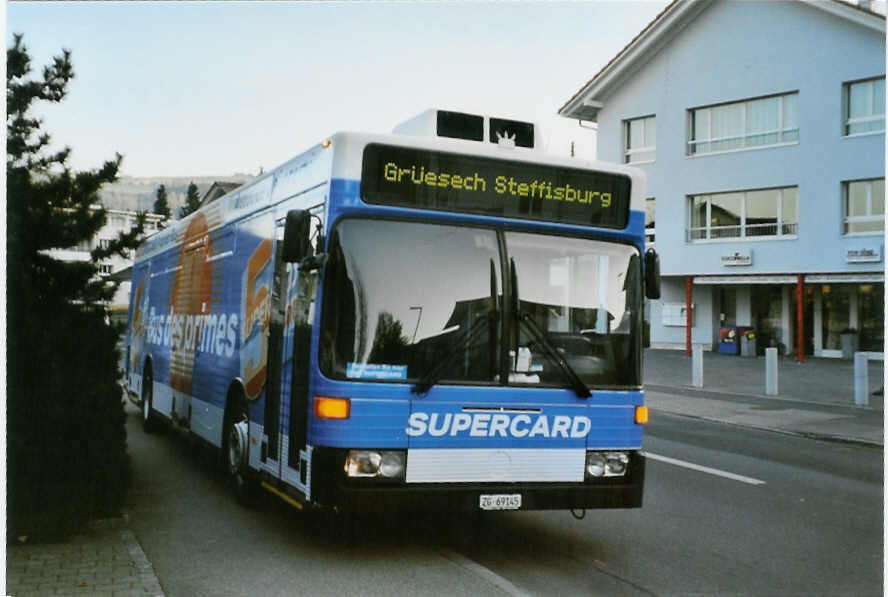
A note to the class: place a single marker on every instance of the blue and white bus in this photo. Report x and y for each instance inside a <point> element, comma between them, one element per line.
<point>444,318</point>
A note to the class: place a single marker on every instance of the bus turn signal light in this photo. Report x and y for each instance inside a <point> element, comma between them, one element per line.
<point>331,408</point>
<point>641,415</point>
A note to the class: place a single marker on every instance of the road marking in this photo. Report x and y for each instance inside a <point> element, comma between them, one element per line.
<point>485,573</point>
<point>705,469</point>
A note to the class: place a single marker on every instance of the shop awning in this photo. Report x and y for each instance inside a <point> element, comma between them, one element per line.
<point>745,279</point>
<point>843,278</point>
<point>861,278</point>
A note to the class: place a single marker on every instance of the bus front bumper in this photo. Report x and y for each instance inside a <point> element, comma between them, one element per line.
<point>332,488</point>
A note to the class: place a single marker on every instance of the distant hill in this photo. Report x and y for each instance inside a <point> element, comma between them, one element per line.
<point>132,193</point>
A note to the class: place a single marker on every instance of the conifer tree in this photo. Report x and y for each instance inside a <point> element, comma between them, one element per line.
<point>192,201</point>
<point>66,437</point>
<point>161,206</point>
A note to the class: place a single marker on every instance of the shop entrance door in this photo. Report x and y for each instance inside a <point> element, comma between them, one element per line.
<point>767,317</point>
<point>835,317</point>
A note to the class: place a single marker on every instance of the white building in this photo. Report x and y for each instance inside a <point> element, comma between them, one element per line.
<point>761,128</point>
<point>117,222</point>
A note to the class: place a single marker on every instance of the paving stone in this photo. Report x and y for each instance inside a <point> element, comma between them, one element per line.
<point>105,561</point>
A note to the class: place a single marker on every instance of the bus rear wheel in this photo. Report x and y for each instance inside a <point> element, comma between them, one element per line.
<point>236,453</point>
<point>149,418</point>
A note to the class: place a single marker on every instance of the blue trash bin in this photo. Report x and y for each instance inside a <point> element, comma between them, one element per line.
<point>728,340</point>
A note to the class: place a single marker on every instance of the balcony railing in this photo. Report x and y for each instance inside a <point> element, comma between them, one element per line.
<point>703,233</point>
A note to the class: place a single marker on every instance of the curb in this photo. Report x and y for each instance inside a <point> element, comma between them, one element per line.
<point>146,571</point>
<point>805,434</point>
<point>701,392</point>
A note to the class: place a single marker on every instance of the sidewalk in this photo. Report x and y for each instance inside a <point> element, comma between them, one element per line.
<point>104,561</point>
<point>815,398</point>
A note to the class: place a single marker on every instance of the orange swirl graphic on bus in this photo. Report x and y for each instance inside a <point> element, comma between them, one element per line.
<point>138,327</point>
<point>254,338</point>
<point>192,290</point>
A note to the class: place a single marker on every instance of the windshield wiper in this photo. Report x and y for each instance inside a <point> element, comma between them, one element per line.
<point>431,377</point>
<point>581,389</point>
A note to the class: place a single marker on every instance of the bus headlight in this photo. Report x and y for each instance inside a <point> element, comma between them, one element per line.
<point>606,464</point>
<point>392,466</point>
<point>595,465</point>
<point>617,463</point>
<point>388,464</point>
<point>362,463</point>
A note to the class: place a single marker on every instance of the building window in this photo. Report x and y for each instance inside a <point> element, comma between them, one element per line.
<point>744,214</point>
<point>104,243</point>
<point>865,106</point>
<point>864,206</point>
<point>641,140</point>
<point>650,213</point>
<point>105,269</point>
<point>84,246</point>
<point>741,125</point>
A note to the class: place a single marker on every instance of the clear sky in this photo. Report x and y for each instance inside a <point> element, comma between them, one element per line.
<point>197,89</point>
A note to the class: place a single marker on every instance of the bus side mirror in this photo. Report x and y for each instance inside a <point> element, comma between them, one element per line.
<point>296,236</point>
<point>651,274</point>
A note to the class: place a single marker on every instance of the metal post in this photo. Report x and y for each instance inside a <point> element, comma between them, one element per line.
<point>771,371</point>
<point>688,314</point>
<point>697,365</point>
<point>861,379</point>
<point>800,319</point>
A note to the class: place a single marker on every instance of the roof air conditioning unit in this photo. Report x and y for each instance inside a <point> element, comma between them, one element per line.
<point>471,127</point>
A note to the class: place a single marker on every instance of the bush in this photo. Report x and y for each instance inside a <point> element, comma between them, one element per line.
<point>66,438</point>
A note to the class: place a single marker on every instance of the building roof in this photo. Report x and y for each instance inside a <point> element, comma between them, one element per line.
<point>585,103</point>
<point>216,190</point>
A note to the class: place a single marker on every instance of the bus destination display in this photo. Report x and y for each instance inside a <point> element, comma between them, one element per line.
<point>419,178</point>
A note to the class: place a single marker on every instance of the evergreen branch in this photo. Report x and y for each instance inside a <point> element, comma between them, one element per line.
<point>125,242</point>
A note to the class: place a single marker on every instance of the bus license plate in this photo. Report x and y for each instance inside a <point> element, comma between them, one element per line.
<point>501,501</point>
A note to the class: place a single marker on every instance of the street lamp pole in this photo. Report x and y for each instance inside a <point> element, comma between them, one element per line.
<point>418,318</point>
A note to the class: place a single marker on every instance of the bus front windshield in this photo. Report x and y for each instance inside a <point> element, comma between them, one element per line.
<point>404,300</point>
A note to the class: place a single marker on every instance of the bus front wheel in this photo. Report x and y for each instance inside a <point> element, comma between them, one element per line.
<point>149,418</point>
<point>236,452</point>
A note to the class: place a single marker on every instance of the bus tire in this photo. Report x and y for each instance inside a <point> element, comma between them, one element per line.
<point>235,449</point>
<point>150,424</point>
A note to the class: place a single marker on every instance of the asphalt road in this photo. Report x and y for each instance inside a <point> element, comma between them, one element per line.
<point>727,511</point>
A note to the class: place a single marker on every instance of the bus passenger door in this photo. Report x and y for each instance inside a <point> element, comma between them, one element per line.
<point>271,455</point>
<point>296,367</point>
<point>289,344</point>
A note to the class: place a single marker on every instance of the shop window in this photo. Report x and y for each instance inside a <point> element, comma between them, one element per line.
<point>871,316</point>
<point>864,206</point>
<point>836,314</point>
<point>767,309</point>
